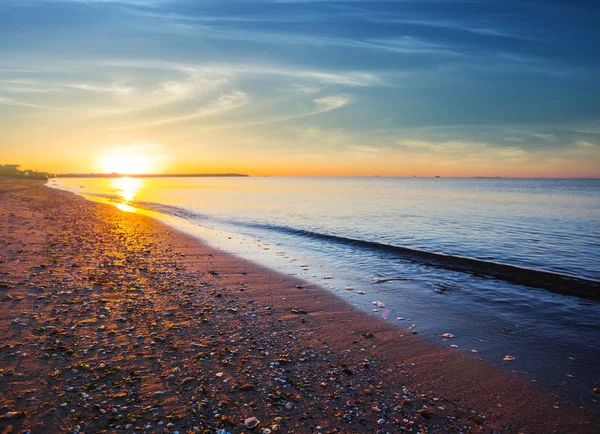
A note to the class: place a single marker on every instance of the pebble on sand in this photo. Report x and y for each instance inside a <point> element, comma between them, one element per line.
<point>251,422</point>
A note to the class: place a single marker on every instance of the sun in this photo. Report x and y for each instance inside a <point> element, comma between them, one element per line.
<point>127,164</point>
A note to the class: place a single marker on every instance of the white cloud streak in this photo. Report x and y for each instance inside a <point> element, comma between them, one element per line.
<point>221,105</point>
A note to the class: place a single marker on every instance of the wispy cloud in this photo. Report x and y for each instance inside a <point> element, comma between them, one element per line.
<point>17,103</point>
<point>323,105</point>
<point>222,104</point>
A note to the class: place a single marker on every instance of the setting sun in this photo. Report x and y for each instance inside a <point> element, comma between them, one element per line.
<point>126,164</point>
<point>132,159</point>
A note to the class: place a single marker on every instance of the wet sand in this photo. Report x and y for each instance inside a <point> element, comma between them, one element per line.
<point>114,322</point>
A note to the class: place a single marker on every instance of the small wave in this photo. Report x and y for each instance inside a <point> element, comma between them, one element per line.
<point>555,282</point>
<point>170,210</point>
<point>111,197</point>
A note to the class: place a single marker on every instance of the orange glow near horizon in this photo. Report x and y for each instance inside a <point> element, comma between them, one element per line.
<point>133,157</point>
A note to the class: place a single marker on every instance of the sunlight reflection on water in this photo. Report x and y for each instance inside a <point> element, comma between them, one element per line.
<point>127,189</point>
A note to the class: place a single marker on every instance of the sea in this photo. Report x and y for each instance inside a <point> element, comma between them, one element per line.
<point>473,257</point>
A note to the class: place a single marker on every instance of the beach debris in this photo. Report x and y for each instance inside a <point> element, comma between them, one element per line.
<point>379,304</point>
<point>361,292</point>
<point>187,380</point>
<point>49,412</point>
<point>400,318</point>
<point>448,336</point>
<point>474,351</point>
<point>453,346</point>
<point>508,358</point>
<point>13,415</point>
<point>251,422</point>
<point>349,288</point>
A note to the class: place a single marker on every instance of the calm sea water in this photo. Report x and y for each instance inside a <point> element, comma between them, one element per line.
<point>341,232</point>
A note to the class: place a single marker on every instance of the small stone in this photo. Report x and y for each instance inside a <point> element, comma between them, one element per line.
<point>508,358</point>
<point>298,311</point>
<point>448,336</point>
<point>251,422</point>
<point>380,421</point>
<point>289,405</point>
<point>13,415</point>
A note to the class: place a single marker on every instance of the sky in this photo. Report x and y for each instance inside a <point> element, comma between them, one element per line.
<point>302,87</point>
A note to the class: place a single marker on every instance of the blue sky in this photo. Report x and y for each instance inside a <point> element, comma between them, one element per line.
<point>320,87</point>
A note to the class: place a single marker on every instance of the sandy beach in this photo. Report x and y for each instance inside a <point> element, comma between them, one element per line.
<point>114,322</point>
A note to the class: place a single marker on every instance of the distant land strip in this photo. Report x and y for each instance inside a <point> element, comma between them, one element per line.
<point>149,175</point>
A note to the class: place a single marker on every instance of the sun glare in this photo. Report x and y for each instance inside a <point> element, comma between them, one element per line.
<point>126,187</point>
<point>127,164</point>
